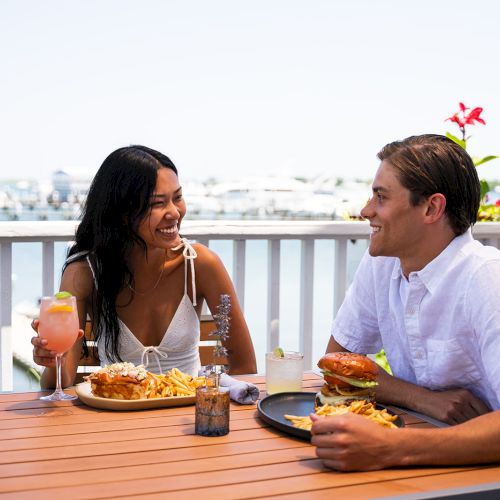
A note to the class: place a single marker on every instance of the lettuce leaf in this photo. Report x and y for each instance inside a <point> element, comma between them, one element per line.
<point>356,382</point>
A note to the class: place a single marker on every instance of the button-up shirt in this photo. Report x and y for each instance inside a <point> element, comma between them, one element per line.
<point>440,328</point>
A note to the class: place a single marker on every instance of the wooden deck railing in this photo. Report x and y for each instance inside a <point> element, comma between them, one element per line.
<point>239,232</point>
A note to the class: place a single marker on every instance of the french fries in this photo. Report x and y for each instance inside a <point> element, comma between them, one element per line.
<point>368,410</point>
<point>174,383</point>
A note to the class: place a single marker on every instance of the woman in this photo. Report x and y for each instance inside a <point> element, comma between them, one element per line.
<point>142,284</point>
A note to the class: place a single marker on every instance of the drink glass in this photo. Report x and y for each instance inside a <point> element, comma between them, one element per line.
<point>284,374</point>
<point>59,326</point>
<point>212,412</point>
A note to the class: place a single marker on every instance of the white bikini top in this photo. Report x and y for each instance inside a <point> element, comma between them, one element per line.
<point>178,347</point>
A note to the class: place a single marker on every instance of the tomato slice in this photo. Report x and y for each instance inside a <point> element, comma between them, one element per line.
<point>332,381</point>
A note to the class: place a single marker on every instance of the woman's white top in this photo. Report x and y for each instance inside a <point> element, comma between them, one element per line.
<point>179,346</point>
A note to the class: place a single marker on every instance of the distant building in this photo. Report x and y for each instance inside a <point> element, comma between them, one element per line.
<point>61,183</point>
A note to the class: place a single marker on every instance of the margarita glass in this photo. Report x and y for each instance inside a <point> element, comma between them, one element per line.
<point>59,326</point>
<point>284,370</point>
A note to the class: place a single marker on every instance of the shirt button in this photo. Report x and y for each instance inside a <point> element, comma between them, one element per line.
<point>411,311</point>
<point>418,355</point>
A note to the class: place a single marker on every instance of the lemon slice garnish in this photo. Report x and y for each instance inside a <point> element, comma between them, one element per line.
<point>63,295</point>
<point>56,308</point>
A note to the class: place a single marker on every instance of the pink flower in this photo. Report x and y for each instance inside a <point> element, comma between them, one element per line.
<point>474,116</point>
<point>462,118</point>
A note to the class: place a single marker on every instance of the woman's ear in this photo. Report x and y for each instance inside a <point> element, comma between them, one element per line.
<point>436,206</point>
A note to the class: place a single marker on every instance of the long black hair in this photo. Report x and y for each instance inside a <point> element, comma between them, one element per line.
<point>118,200</point>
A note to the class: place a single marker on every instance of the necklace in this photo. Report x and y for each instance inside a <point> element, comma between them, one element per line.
<point>155,285</point>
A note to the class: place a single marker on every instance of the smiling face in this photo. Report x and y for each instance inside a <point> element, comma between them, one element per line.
<point>160,227</point>
<point>397,225</point>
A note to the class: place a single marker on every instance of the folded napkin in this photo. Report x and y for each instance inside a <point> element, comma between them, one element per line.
<point>242,392</point>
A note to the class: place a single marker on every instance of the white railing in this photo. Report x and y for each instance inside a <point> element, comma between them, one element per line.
<point>274,232</point>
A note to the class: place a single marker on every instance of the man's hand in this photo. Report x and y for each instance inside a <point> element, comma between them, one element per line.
<point>452,406</point>
<point>352,442</point>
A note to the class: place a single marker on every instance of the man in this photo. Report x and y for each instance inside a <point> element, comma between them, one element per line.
<point>429,294</point>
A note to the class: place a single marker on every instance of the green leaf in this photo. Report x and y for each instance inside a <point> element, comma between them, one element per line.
<point>33,373</point>
<point>460,142</point>
<point>488,213</point>
<point>485,187</point>
<point>480,161</point>
<point>381,360</point>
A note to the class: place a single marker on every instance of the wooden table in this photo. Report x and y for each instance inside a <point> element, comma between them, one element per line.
<point>68,450</point>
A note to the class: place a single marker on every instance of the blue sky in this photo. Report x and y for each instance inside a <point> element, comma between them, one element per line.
<point>228,88</point>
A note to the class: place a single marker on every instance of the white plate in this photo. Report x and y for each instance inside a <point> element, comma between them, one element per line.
<point>84,393</point>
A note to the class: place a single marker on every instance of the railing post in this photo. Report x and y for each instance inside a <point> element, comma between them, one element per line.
<point>6,364</point>
<point>239,247</point>
<point>273,294</point>
<point>47,268</point>
<point>204,310</point>
<point>306,300</point>
<point>340,277</point>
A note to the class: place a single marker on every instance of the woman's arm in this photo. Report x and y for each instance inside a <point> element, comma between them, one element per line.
<point>77,280</point>
<point>212,280</point>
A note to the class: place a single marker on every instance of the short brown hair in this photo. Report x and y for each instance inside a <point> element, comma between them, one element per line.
<point>430,163</point>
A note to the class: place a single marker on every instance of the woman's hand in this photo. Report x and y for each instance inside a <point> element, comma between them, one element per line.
<point>41,355</point>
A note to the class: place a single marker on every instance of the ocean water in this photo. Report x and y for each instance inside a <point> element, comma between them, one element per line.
<point>27,288</point>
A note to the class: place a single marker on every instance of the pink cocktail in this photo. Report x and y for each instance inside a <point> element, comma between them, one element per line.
<point>59,326</point>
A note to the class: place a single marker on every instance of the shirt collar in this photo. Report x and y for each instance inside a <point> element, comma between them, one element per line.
<point>431,274</point>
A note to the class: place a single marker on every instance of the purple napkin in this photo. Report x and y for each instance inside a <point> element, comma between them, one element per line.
<point>242,392</point>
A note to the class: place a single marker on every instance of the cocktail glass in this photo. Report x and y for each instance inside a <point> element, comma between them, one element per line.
<point>59,326</point>
<point>284,373</point>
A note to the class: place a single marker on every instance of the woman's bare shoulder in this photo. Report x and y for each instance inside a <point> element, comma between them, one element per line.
<point>78,266</point>
<point>212,277</point>
<point>77,278</point>
<point>207,260</point>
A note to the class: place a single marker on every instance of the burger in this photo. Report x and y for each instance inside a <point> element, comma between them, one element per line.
<point>348,377</point>
<point>122,381</point>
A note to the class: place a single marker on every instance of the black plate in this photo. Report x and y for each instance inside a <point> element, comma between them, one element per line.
<point>273,408</point>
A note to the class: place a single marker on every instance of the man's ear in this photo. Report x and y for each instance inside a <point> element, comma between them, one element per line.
<point>436,205</point>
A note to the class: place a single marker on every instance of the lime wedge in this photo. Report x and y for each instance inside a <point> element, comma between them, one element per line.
<point>62,295</point>
<point>278,352</point>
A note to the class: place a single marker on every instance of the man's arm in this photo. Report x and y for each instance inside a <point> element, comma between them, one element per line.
<point>352,442</point>
<point>452,406</point>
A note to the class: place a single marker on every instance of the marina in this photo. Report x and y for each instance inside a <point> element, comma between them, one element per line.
<point>255,197</point>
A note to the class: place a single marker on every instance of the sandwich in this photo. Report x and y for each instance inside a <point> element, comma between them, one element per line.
<point>122,381</point>
<point>348,377</point>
